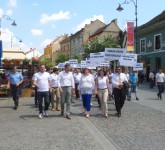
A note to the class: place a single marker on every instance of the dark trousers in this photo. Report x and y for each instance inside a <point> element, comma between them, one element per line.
<point>36,97</point>
<point>45,96</point>
<point>98,100</point>
<point>76,90</point>
<point>15,93</point>
<point>119,99</point>
<point>160,89</point>
<point>151,83</point>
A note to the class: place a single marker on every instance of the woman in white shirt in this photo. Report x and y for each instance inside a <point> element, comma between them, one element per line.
<point>87,87</point>
<point>102,88</point>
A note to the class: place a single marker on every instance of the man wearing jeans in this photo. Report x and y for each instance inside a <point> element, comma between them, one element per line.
<point>160,80</point>
<point>15,79</point>
<point>42,81</point>
<point>67,85</point>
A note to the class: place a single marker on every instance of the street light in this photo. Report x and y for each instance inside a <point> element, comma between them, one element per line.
<point>120,8</point>
<point>13,24</point>
<point>7,18</point>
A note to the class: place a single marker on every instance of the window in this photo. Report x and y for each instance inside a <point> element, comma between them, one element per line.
<point>157,41</point>
<point>142,45</point>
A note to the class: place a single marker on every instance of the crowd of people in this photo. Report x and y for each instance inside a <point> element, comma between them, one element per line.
<point>60,85</point>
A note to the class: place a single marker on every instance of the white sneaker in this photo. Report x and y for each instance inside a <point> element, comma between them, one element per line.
<point>87,115</point>
<point>40,116</point>
<point>46,113</point>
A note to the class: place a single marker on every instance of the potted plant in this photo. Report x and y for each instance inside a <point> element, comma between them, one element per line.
<point>26,61</point>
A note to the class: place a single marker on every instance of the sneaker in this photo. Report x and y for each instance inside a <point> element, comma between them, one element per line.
<point>106,115</point>
<point>46,113</point>
<point>40,116</point>
<point>87,115</point>
<point>68,117</point>
<point>137,98</point>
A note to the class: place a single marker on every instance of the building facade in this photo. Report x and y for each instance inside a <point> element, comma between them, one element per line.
<point>81,37</point>
<point>111,29</point>
<point>151,44</point>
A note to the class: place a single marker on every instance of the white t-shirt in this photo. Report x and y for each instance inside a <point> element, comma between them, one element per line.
<point>42,79</point>
<point>160,77</point>
<point>102,82</point>
<point>55,80</point>
<point>77,77</point>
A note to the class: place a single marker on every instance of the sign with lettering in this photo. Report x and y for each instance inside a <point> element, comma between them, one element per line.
<point>114,53</point>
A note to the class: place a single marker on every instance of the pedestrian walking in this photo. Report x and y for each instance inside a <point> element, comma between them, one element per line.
<point>67,85</point>
<point>119,80</point>
<point>133,80</point>
<point>87,88</point>
<point>77,77</point>
<point>14,81</point>
<point>110,75</point>
<point>160,79</point>
<point>56,89</point>
<point>42,81</point>
<point>102,89</point>
<point>151,79</point>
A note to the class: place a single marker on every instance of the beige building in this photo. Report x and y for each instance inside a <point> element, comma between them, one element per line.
<point>56,47</point>
<point>13,54</point>
<point>81,37</point>
<point>110,29</point>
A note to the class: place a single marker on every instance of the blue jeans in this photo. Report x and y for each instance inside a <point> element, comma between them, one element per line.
<point>86,98</point>
<point>160,89</point>
<point>45,96</point>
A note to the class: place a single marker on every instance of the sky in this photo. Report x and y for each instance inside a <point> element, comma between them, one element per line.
<point>41,21</point>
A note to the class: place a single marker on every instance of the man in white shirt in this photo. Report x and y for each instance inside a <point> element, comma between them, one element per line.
<point>67,85</point>
<point>119,80</point>
<point>77,77</point>
<point>56,88</point>
<point>42,81</point>
<point>160,79</point>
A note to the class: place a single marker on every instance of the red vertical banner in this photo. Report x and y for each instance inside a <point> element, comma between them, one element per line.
<point>130,36</point>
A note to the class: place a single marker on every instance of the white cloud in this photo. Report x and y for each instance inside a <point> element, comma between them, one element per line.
<point>61,15</point>
<point>36,32</point>
<point>1,12</point>
<point>12,3</point>
<point>46,42</point>
<point>9,12</point>
<point>10,40</point>
<point>88,20</point>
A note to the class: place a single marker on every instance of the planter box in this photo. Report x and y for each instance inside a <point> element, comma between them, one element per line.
<point>26,92</point>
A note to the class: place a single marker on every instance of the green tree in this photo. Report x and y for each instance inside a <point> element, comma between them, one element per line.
<point>48,63</point>
<point>78,57</point>
<point>96,46</point>
<point>61,58</point>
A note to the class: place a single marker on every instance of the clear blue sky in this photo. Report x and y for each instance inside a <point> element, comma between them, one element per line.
<point>40,21</point>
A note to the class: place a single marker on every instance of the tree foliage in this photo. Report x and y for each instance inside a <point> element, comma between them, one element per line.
<point>96,46</point>
<point>47,62</point>
<point>61,58</point>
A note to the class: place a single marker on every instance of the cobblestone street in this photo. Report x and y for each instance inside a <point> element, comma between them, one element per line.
<point>141,127</point>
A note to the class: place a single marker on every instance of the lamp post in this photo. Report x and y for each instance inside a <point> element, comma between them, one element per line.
<point>13,24</point>
<point>120,8</point>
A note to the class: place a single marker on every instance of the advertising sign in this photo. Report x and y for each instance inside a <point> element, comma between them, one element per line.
<point>130,36</point>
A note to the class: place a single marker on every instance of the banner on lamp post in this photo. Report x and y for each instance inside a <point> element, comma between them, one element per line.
<point>0,53</point>
<point>130,36</point>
